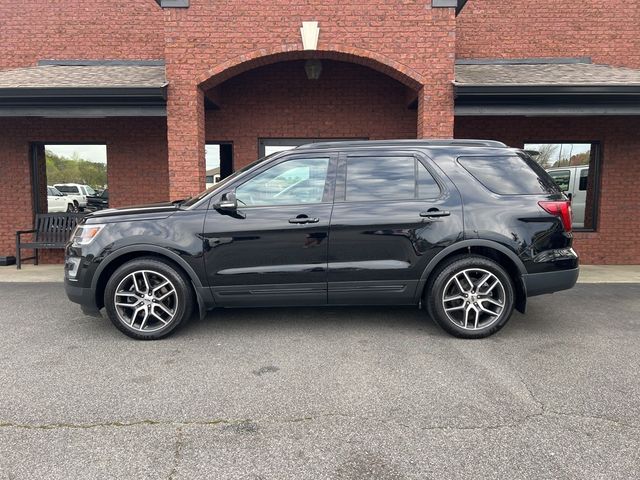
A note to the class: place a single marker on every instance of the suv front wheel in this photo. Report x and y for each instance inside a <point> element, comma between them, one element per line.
<point>147,299</point>
<point>470,296</point>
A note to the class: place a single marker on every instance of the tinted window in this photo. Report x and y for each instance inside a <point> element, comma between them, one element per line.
<point>67,189</point>
<point>584,179</point>
<point>427,186</point>
<point>380,178</point>
<point>291,182</point>
<point>510,175</point>
<point>562,178</point>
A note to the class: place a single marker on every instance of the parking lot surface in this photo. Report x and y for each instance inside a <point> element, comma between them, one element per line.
<point>351,393</point>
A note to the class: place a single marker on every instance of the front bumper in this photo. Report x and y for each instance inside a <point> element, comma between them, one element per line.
<point>549,282</point>
<point>84,296</point>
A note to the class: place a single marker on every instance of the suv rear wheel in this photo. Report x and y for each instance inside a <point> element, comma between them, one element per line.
<point>470,296</point>
<point>147,299</point>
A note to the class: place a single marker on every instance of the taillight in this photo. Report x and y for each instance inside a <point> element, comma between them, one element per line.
<point>560,209</point>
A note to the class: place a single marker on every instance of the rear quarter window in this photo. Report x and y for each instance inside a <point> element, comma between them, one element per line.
<point>510,175</point>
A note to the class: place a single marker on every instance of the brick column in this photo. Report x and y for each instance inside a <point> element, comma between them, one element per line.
<point>436,110</point>
<point>435,98</point>
<point>185,141</point>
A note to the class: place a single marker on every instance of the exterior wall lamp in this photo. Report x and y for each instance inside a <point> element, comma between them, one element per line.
<point>313,68</point>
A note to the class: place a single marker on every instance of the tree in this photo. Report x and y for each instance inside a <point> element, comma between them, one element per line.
<point>546,155</point>
<point>62,169</point>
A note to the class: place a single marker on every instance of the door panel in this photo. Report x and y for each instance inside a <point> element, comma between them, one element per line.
<point>378,249</point>
<point>265,254</point>
<point>579,197</point>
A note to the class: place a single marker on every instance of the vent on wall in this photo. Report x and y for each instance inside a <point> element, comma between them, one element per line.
<point>173,3</point>
<point>457,4</point>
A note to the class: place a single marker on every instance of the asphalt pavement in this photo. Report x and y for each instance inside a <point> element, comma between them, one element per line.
<point>304,393</point>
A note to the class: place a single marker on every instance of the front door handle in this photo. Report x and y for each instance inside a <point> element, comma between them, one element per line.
<point>301,219</point>
<point>434,212</point>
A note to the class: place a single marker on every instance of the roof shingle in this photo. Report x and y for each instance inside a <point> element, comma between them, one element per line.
<point>84,76</point>
<point>541,74</point>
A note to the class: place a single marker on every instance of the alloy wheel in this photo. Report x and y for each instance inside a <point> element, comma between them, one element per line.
<point>473,299</point>
<point>146,301</point>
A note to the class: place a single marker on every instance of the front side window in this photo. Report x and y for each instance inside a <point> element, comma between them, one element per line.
<point>292,182</point>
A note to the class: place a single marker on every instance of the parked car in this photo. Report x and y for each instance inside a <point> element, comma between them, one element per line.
<point>98,201</point>
<point>338,223</point>
<point>58,201</point>
<point>573,181</point>
<point>77,192</point>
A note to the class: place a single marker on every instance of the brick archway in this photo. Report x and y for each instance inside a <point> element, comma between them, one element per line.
<point>262,57</point>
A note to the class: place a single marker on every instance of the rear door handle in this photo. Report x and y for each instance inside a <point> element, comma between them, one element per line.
<point>301,220</point>
<point>435,213</point>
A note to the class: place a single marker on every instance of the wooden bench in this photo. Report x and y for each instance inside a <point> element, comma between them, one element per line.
<point>51,230</point>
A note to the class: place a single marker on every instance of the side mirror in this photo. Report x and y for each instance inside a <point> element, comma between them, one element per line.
<point>229,202</point>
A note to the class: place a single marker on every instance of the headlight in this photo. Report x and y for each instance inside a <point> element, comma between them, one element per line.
<point>85,234</point>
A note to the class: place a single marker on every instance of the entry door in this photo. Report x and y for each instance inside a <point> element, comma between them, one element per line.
<point>392,214</point>
<point>273,249</point>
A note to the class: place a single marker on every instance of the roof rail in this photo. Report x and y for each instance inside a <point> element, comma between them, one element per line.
<point>413,143</point>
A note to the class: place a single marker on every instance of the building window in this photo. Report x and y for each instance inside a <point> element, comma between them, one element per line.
<point>267,146</point>
<point>574,167</point>
<point>219,161</point>
<point>70,178</point>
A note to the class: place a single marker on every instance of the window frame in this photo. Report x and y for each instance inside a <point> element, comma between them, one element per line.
<point>597,157</point>
<point>341,179</point>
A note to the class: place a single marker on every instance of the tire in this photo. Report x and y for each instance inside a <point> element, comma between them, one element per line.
<point>70,208</point>
<point>463,297</point>
<point>155,312</point>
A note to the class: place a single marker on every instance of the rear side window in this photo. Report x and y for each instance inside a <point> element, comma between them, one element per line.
<point>388,178</point>
<point>584,179</point>
<point>67,189</point>
<point>562,178</point>
<point>510,175</point>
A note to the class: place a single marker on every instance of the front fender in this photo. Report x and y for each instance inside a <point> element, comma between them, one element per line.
<point>203,292</point>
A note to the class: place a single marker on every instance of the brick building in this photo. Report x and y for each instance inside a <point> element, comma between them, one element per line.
<point>155,81</point>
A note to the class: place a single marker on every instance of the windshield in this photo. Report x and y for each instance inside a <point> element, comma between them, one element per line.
<point>237,173</point>
<point>90,191</point>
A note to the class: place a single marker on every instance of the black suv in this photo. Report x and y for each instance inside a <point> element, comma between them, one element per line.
<point>467,229</point>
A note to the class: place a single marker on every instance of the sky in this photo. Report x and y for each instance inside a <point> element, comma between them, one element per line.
<point>92,153</point>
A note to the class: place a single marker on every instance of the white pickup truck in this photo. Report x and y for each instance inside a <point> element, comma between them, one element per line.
<point>76,192</point>
<point>58,202</point>
<point>573,182</point>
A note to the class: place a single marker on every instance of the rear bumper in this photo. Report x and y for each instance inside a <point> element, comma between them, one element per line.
<point>84,296</point>
<point>549,282</point>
